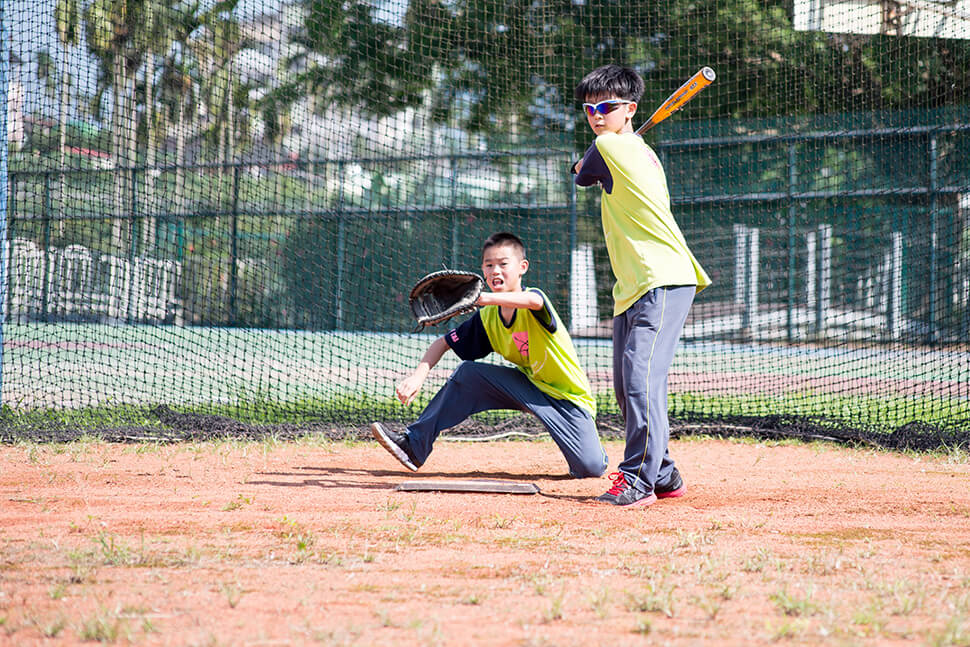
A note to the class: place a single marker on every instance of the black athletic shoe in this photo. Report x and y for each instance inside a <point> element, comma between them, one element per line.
<point>672,489</point>
<point>624,494</point>
<point>397,445</point>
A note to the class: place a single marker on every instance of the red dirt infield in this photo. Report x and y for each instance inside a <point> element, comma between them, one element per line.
<point>309,543</point>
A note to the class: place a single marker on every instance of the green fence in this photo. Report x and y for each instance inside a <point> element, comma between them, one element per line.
<point>220,207</point>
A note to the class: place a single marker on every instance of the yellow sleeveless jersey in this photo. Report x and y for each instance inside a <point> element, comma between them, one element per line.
<point>538,344</point>
<point>646,247</point>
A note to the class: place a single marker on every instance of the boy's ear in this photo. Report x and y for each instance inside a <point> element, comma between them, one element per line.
<point>525,265</point>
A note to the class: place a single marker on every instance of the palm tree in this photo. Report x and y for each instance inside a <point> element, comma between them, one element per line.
<point>124,34</point>
<point>111,25</point>
<point>215,49</point>
<point>67,17</point>
<point>185,77</point>
<point>177,92</point>
<point>154,38</point>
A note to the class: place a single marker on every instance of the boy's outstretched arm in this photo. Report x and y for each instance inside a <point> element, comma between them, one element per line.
<point>409,386</point>
<point>526,300</point>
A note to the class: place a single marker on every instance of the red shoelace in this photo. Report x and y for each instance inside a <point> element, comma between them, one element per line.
<point>619,483</point>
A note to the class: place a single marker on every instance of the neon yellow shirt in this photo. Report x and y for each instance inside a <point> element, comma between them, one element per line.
<point>646,247</point>
<point>539,346</point>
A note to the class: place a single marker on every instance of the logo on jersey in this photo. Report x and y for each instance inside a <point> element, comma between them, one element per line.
<point>521,340</point>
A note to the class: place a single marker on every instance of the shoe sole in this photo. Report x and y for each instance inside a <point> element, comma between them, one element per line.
<point>642,503</point>
<point>670,494</point>
<point>391,447</point>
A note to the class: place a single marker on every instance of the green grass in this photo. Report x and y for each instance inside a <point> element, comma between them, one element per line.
<point>820,411</point>
<point>881,415</point>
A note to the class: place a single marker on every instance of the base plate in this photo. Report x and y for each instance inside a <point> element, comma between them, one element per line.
<point>475,485</point>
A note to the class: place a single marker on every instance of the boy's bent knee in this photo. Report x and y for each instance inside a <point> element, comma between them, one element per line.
<point>586,469</point>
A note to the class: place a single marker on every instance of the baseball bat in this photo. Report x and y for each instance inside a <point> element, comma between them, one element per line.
<point>703,78</point>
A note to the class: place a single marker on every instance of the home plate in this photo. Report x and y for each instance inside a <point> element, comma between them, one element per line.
<point>474,485</point>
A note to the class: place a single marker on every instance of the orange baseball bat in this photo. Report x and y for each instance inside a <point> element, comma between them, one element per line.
<point>703,78</point>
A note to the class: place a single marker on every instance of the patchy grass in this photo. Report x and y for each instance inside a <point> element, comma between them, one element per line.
<point>271,541</point>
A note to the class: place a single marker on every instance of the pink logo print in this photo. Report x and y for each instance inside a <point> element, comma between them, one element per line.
<point>521,340</point>
<point>454,335</point>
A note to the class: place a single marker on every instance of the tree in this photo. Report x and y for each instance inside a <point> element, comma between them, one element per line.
<point>110,30</point>
<point>349,57</point>
<point>497,66</point>
<point>154,38</point>
<point>215,43</point>
<point>67,18</point>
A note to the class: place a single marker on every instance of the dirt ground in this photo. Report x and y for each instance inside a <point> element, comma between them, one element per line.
<point>308,542</point>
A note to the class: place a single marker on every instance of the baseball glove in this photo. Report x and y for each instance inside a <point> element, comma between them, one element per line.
<point>444,294</point>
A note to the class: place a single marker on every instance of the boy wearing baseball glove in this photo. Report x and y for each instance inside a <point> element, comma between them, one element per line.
<point>522,326</point>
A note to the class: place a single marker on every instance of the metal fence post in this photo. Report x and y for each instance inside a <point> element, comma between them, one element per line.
<point>824,300</point>
<point>46,281</point>
<point>963,278</point>
<point>894,301</point>
<point>933,335</point>
<point>573,243</point>
<point>454,211</point>
<point>133,270</point>
<point>6,257</point>
<point>747,254</point>
<point>234,245</point>
<point>4,76</point>
<point>338,291</point>
<point>792,215</point>
<point>811,279</point>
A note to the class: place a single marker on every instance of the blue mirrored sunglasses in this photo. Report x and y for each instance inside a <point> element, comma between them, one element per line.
<point>603,107</point>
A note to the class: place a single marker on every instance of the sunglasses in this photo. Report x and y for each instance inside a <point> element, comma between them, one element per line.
<point>603,107</point>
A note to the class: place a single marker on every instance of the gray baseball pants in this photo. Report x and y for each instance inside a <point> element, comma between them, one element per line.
<point>644,340</point>
<point>477,386</point>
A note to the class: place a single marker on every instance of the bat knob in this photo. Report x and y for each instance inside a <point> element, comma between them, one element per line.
<point>708,73</point>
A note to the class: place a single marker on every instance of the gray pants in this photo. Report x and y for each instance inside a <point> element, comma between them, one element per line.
<point>644,340</point>
<point>476,386</point>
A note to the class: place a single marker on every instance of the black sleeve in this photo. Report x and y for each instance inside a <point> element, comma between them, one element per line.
<point>469,340</point>
<point>544,316</point>
<point>594,170</point>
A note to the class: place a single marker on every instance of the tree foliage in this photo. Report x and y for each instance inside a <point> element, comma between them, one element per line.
<point>495,65</point>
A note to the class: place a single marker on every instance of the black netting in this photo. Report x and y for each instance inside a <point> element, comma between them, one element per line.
<point>215,211</point>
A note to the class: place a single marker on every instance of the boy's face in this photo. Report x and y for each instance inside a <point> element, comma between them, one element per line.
<point>618,120</point>
<point>503,267</point>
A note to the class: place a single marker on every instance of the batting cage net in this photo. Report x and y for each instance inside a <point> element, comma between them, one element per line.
<point>214,211</point>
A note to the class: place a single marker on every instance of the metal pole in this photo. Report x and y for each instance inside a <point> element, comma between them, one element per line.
<point>338,291</point>
<point>933,334</point>
<point>135,296</point>
<point>454,211</point>
<point>234,246</point>
<point>573,242</point>
<point>751,289</point>
<point>964,284</point>
<point>894,301</point>
<point>824,300</point>
<point>46,278</point>
<point>4,79</point>
<point>792,215</point>
<point>811,279</point>
<point>7,247</point>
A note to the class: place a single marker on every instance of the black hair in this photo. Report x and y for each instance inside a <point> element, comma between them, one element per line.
<point>504,238</point>
<point>612,81</point>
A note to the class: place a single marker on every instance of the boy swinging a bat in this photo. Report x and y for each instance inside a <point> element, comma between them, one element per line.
<point>656,275</point>
<point>522,326</point>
